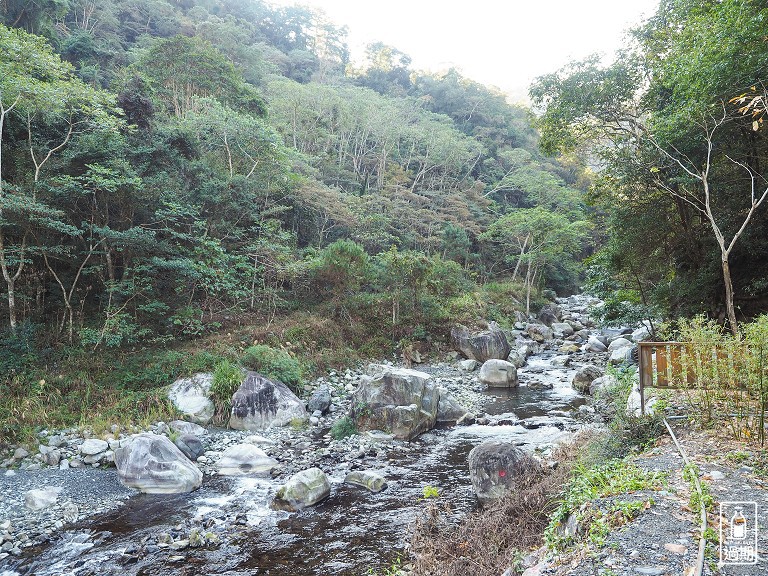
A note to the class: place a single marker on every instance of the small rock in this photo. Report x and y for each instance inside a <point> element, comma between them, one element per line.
<point>368,479</point>
<point>676,548</point>
<point>93,446</point>
<point>651,570</point>
<point>20,454</point>
<point>468,365</point>
<point>40,499</point>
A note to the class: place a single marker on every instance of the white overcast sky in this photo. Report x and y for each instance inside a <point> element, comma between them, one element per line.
<point>495,42</point>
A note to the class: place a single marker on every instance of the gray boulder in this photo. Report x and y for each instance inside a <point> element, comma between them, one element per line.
<point>624,355</point>
<point>51,457</point>
<point>641,334</point>
<point>41,499</point>
<point>595,345</point>
<point>320,400</point>
<point>481,346</point>
<point>245,460</point>
<point>261,403</point>
<point>399,401</point>
<point>368,479</point>
<point>182,427</point>
<point>496,467</point>
<point>93,446</point>
<point>584,377</point>
<point>190,445</point>
<point>191,397</point>
<point>448,409</point>
<point>539,332</point>
<point>619,342</point>
<point>550,314</point>
<point>469,365</point>
<point>517,358</point>
<point>634,405</point>
<point>152,464</point>
<point>306,488</point>
<point>562,329</point>
<point>498,374</point>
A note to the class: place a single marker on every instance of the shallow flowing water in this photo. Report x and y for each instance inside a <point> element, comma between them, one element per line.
<point>349,533</point>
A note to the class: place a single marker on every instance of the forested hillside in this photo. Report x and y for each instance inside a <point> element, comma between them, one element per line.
<point>677,126</point>
<point>169,167</point>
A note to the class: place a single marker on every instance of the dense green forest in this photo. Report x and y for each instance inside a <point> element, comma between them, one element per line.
<point>218,171</point>
<point>172,167</point>
<point>676,125</point>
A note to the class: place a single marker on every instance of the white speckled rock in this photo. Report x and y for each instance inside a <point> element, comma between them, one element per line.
<point>261,403</point>
<point>41,499</point>
<point>245,460</point>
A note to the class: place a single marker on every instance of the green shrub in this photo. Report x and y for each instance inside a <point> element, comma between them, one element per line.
<point>274,364</point>
<point>227,378</point>
<point>343,427</point>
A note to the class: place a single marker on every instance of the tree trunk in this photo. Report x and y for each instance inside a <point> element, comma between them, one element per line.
<point>10,282</point>
<point>729,298</point>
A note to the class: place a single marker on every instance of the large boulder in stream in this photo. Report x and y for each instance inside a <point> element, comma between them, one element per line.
<point>399,401</point>
<point>496,468</point>
<point>261,403</point>
<point>306,488</point>
<point>481,346</point>
<point>498,374</point>
<point>550,314</point>
<point>191,397</point>
<point>152,464</point>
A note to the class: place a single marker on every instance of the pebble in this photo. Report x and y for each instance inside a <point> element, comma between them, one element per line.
<point>676,548</point>
<point>651,570</point>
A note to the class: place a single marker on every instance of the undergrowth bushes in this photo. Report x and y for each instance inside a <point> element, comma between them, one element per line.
<point>275,364</point>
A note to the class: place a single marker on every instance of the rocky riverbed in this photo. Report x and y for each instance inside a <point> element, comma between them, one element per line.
<point>63,510</point>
